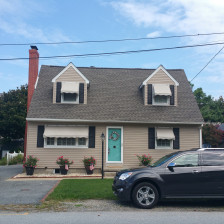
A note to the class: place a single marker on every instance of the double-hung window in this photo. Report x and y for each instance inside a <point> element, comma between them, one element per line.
<point>70,92</point>
<point>161,94</point>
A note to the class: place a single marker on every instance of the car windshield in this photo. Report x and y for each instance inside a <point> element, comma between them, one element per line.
<point>164,159</point>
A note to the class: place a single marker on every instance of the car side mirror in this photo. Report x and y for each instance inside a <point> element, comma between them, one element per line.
<point>171,166</point>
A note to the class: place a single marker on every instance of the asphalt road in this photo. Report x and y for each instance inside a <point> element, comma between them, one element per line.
<point>21,192</point>
<point>143,217</point>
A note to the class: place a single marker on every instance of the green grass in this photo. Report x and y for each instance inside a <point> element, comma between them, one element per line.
<point>82,189</point>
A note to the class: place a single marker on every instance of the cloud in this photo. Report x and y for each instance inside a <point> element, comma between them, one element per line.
<point>154,34</point>
<point>179,16</point>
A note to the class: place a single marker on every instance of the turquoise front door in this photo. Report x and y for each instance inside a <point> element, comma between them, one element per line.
<point>114,144</point>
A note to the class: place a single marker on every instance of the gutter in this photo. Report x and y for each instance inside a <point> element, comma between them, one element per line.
<point>109,121</point>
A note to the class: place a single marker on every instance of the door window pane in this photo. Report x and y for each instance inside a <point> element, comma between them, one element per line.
<point>188,160</point>
<point>213,159</point>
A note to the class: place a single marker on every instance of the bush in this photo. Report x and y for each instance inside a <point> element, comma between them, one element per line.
<point>3,161</point>
<point>144,160</point>
<point>16,160</point>
<point>31,161</point>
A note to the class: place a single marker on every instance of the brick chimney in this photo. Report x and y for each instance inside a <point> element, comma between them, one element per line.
<point>33,72</point>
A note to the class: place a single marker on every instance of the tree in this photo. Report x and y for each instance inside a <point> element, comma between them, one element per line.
<point>212,135</point>
<point>13,108</point>
<point>212,110</point>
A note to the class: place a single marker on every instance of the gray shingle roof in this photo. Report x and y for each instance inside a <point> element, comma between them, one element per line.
<point>113,95</point>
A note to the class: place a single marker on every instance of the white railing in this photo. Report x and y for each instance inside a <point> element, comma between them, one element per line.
<point>12,155</point>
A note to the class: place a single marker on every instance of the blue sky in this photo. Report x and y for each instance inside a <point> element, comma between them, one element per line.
<point>23,21</point>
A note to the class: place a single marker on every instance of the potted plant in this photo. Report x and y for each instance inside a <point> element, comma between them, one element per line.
<point>30,164</point>
<point>89,163</point>
<point>144,159</point>
<point>64,164</point>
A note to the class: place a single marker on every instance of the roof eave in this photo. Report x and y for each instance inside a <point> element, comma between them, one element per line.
<point>110,121</point>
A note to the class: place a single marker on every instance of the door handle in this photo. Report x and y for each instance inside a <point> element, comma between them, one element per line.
<point>108,150</point>
<point>195,171</point>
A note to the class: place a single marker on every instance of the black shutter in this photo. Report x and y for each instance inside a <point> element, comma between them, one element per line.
<point>176,142</point>
<point>172,95</point>
<point>92,131</point>
<point>81,92</point>
<point>149,93</point>
<point>151,138</point>
<point>40,137</point>
<point>58,92</point>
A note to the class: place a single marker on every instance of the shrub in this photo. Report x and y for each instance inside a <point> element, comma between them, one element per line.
<point>88,161</point>
<point>3,161</point>
<point>144,159</point>
<point>16,160</point>
<point>61,161</point>
<point>31,161</point>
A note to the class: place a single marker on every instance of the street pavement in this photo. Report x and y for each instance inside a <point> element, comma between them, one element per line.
<point>21,192</point>
<point>135,217</point>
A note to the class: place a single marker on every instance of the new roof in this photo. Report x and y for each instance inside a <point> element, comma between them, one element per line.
<point>113,95</point>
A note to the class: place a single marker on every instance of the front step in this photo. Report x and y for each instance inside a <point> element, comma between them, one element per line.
<point>109,174</point>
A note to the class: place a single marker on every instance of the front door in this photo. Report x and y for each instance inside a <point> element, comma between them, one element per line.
<point>114,139</point>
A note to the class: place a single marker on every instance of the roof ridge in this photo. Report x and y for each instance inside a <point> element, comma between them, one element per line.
<point>93,67</point>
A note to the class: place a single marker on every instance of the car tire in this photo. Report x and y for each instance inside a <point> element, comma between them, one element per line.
<point>145,195</point>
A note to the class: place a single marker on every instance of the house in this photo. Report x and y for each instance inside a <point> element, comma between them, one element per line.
<point>140,111</point>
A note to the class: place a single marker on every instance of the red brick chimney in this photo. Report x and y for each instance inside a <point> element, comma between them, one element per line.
<point>33,73</point>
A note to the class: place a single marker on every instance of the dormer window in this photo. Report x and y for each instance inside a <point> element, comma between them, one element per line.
<point>161,94</point>
<point>70,92</point>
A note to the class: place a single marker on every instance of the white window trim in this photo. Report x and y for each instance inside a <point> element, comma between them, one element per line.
<point>121,127</point>
<point>76,146</point>
<point>70,102</point>
<point>163,147</point>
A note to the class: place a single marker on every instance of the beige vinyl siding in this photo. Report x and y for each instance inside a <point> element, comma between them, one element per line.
<point>48,156</point>
<point>135,141</point>
<point>70,75</point>
<point>159,78</point>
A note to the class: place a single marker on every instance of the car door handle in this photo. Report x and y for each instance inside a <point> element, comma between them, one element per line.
<point>195,171</point>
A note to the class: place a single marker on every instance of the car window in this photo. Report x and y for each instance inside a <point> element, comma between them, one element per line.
<point>164,159</point>
<point>187,160</point>
<point>213,159</point>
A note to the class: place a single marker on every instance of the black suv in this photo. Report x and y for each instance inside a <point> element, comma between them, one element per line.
<point>196,173</point>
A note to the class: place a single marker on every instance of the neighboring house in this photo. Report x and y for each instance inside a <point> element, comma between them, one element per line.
<point>140,111</point>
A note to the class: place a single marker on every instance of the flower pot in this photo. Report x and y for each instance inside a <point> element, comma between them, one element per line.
<point>29,170</point>
<point>88,170</point>
<point>63,170</point>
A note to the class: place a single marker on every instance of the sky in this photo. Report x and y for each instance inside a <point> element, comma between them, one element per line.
<point>32,21</point>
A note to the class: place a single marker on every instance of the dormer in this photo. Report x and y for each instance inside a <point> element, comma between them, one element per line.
<point>160,88</point>
<point>70,86</point>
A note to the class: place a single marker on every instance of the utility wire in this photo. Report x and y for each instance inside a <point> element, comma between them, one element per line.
<point>207,63</point>
<point>114,53</point>
<point>112,40</point>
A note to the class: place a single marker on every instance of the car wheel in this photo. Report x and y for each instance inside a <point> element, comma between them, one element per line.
<point>145,195</point>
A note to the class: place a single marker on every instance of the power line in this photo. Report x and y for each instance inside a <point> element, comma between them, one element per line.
<point>111,40</point>
<point>114,53</point>
<point>207,63</point>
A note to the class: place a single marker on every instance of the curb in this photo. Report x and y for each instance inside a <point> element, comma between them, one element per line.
<point>49,192</point>
<point>62,177</point>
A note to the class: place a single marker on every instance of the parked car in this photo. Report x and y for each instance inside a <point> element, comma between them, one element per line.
<point>196,173</point>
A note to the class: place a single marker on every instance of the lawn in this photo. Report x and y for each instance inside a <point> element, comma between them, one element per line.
<point>82,189</point>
